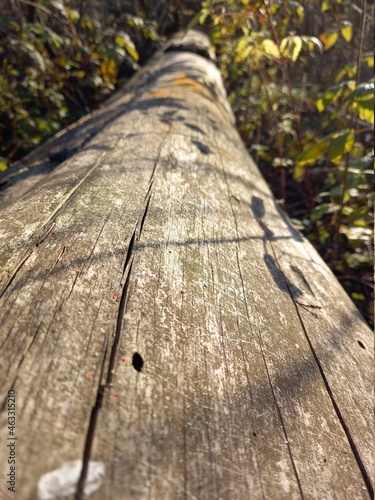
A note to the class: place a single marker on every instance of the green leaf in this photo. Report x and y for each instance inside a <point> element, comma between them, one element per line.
<point>366,111</point>
<point>359,234</point>
<point>312,153</point>
<point>342,142</point>
<point>349,70</point>
<point>357,296</point>
<point>364,101</point>
<point>355,260</point>
<point>34,54</point>
<point>198,19</point>
<point>359,213</point>
<point>364,91</point>
<point>324,209</point>
<point>53,37</point>
<point>3,166</point>
<point>216,34</point>
<point>332,94</point>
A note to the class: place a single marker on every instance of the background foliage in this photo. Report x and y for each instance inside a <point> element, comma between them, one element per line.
<point>299,77</point>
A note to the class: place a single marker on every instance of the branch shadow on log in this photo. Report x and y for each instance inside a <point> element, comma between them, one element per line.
<point>278,276</point>
<point>58,149</point>
<point>43,160</point>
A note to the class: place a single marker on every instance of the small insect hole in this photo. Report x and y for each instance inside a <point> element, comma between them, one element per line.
<point>325,460</point>
<point>361,344</point>
<point>254,434</point>
<point>137,362</point>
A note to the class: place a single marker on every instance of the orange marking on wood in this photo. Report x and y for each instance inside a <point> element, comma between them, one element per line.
<point>180,80</point>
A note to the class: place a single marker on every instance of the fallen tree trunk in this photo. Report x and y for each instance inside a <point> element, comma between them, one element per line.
<point>165,332</point>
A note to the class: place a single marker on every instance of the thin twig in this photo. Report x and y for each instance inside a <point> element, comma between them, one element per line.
<point>344,183</point>
<point>296,113</point>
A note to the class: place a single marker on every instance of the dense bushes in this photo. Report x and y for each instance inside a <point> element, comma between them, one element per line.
<point>301,85</point>
<point>298,74</point>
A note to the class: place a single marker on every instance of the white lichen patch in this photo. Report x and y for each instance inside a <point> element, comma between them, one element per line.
<point>61,483</point>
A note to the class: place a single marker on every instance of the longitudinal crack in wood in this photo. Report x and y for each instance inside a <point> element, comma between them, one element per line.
<point>76,187</point>
<point>280,416</point>
<point>91,253</point>
<point>152,176</point>
<point>52,217</point>
<point>79,495</point>
<point>142,223</point>
<point>352,444</point>
<point>101,389</point>
<point>345,427</point>
<point>53,153</point>
<point>48,230</point>
<point>128,265</point>
<point>16,271</point>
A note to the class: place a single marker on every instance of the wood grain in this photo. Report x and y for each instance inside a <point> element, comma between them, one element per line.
<point>160,237</point>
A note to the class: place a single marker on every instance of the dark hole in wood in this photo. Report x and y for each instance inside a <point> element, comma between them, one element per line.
<point>325,460</point>
<point>361,344</point>
<point>137,362</point>
<point>254,434</point>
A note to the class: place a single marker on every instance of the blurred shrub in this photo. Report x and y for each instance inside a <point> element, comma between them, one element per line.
<point>298,75</point>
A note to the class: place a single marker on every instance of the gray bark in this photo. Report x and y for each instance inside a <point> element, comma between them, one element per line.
<point>164,323</point>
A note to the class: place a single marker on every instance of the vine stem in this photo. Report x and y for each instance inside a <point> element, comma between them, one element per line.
<point>296,113</point>
<point>280,145</point>
<point>344,183</point>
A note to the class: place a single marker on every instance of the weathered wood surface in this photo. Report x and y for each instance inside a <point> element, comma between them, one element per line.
<point>159,236</point>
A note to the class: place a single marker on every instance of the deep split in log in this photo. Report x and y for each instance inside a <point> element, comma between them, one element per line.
<point>162,322</point>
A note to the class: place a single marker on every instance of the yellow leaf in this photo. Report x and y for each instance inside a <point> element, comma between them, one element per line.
<point>109,70</point>
<point>270,48</point>
<point>366,113</point>
<point>243,49</point>
<point>72,13</point>
<point>124,40</point>
<point>368,58</point>
<point>291,47</point>
<point>3,166</point>
<point>299,173</point>
<point>296,47</point>
<point>347,32</point>
<point>329,39</point>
